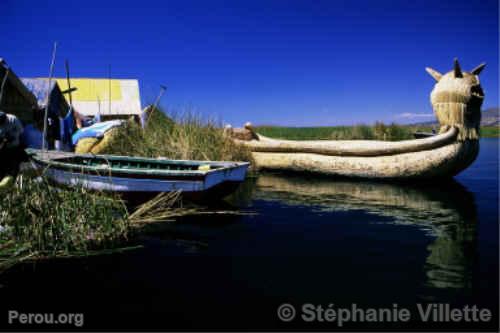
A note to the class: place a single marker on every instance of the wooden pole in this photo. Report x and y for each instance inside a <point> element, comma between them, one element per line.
<point>69,85</point>
<point>4,80</point>
<point>155,105</point>
<point>69,91</point>
<point>109,89</point>
<point>51,71</point>
<point>99,108</point>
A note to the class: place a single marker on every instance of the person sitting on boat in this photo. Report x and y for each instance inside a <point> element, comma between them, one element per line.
<point>11,147</point>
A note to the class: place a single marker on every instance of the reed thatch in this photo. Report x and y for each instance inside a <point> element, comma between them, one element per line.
<point>456,100</point>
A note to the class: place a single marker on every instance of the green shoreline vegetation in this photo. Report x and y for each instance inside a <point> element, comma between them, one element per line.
<point>186,136</point>
<point>378,131</point>
<point>490,131</point>
<point>42,221</point>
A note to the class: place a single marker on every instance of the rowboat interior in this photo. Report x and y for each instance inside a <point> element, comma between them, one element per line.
<point>137,178</point>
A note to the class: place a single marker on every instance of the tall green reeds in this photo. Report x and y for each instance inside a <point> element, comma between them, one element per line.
<point>377,131</point>
<point>51,220</point>
<point>41,221</point>
<point>186,136</point>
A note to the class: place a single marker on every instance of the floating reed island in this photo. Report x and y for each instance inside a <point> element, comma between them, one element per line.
<point>456,99</point>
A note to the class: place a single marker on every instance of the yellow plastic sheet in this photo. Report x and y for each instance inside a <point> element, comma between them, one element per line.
<point>85,145</point>
<point>92,89</point>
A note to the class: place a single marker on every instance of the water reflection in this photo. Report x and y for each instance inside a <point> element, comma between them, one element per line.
<point>446,211</point>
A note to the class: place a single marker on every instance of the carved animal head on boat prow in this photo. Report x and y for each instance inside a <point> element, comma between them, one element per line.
<point>457,98</point>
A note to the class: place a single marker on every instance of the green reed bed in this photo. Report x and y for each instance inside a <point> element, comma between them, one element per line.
<point>490,131</point>
<point>41,221</point>
<point>378,131</point>
<point>186,136</point>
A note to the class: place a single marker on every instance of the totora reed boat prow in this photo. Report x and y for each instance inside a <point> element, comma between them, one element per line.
<point>456,99</point>
<point>136,177</point>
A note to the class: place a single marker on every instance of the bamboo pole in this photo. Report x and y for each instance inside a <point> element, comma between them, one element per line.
<point>51,70</point>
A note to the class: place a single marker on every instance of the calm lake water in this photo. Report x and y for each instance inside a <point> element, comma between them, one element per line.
<point>307,240</point>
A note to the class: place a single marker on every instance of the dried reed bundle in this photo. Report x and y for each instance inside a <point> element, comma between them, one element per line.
<point>456,99</point>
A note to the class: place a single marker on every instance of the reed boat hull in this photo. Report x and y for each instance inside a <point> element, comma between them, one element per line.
<point>439,156</point>
<point>442,162</point>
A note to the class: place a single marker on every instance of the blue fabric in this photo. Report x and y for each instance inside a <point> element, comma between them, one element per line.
<point>95,131</point>
<point>32,137</point>
<point>67,127</point>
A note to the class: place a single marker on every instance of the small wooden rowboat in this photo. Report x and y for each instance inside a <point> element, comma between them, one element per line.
<point>140,176</point>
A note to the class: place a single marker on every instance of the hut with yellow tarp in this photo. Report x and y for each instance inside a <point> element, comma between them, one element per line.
<point>104,98</point>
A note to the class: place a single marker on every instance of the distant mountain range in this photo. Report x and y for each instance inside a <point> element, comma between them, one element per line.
<point>490,117</point>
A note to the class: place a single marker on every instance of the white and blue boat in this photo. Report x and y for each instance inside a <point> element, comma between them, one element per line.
<point>137,176</point>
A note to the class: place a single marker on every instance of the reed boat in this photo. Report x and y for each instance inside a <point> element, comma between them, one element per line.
<point>456,99</point>
<point>135,176</point>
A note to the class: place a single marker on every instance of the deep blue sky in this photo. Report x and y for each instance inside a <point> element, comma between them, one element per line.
<point>284,62</point>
